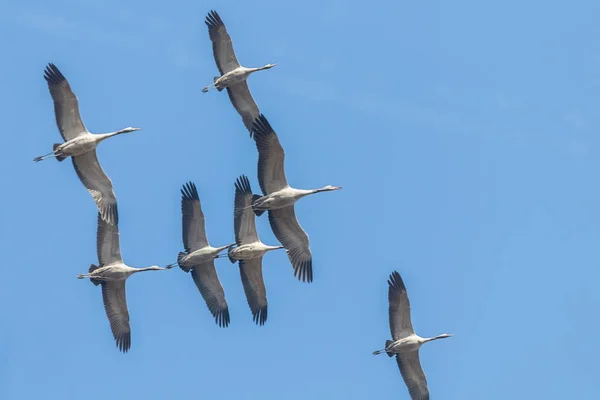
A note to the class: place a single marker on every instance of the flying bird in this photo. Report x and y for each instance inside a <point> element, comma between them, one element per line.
<point>199,256</point>
<point>279,199</point>
<point>233,75</point>
<point>406,343</point>
<point>80,144</point>
<point>249,251</point>
<point>112,273</point>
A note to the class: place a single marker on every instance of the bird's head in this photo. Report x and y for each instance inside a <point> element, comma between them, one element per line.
<point>269,66</point>
<point>129,129</point>
<point>156,268</point>
<point>330,187</point>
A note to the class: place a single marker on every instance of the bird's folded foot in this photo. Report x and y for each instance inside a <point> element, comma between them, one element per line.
<point>40,158</point>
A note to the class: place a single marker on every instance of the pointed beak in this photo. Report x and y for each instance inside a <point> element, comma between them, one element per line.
<point>337,187</point>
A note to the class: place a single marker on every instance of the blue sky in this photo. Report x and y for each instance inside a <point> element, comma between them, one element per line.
<point>464,135</point>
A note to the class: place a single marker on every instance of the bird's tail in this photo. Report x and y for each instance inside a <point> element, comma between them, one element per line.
<point>387,345</point>
<point>233,260</point>
<point>258,213</point>
<point>92,269</point>
<point>54,147</point>
<point>219,88</point>
<point>207,88</point>
<point>180,257</point>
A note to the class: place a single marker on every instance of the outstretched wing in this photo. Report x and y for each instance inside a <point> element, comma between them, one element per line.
<point>399,308</point>
<point>66,106</point>
<point>271,174</point>
<point>99,185</point>
<point>194,231</point>
<point>222,46</point>
<point>254,287</point>
<point>206,279</point>
<point>413,375</point>
<point>291,235</point>
<point>107,243</point>
<point>243,102</point>
<point>244,224</point>
<point>115,305</point>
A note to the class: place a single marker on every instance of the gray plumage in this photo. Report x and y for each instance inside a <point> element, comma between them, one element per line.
<point>279,199</point>
<point>80,144</point>
<point>249,251</point>
<point>199,255</point>
<point>233,75</point>
<point>111,274</point>
<point>405,344</point>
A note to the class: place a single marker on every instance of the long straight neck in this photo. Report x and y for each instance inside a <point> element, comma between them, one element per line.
<point>220,249</point>
<point>153,268</point>
<point>299,193</point>
<point>103,136</point>
<point>313,191</point>
<point>269,248</point>
<point>443,336</point>
<point>258,69</point>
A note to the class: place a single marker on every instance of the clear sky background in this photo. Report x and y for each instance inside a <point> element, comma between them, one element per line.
<point>465,137</point>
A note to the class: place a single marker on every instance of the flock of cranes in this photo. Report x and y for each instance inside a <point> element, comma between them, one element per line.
<point>278,199</point>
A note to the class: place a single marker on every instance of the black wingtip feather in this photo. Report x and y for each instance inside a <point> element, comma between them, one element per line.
<point>242,184</point>
<point>189,191</point>
<point>261,127</point>
<point>213,20</point>
<point>124,342</point>
<point>395,281</point>
<point>222,317</point>
<point>260,316</point>
<point>53,75</point>
<point>304,271</point>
